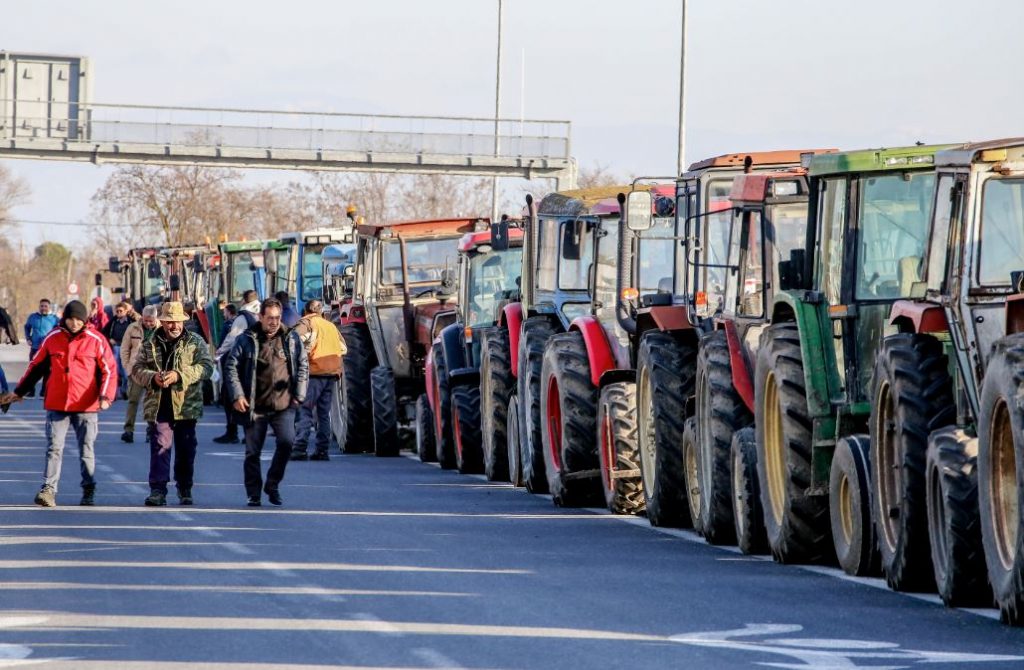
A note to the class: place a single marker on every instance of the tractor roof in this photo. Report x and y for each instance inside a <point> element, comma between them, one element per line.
<point>993,151</point>
<point>241,245</point>
<point>319,236</point>
<point>428,228</point>
<point>876,160</point>
<point>758,158</point>
<point>757,186</point>
<point>594,201</point>
<point>471,241</point>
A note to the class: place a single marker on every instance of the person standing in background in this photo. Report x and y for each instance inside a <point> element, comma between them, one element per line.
<point>98,318</point>
<point>289,317</point>
<point>131,344</point>
<point>324,348</point>
<point>114,333</point>
<point>246,318</point>
<point>37,327</point>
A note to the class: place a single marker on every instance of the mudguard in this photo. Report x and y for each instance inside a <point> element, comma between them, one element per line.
<point>599,352</point>
<point>463,377</point>
<point>351,313</point>
<point>821,375</point>
<point>912,316</point>
<point>512,318</point>
<point>454,347</point>
<point>742,375</point>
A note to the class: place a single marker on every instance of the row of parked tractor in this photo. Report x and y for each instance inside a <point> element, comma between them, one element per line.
<point>813,354</point>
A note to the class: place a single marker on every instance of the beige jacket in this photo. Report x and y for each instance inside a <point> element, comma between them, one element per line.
<point>134,336</point>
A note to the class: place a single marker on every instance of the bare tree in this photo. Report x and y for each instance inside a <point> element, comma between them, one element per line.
<point>14,191</point>
<point>597,175</point>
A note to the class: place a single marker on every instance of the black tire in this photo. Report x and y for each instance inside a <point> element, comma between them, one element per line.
<point>385,411</point>
<point>1001,476</point>
<point>496,387</point>
<point>691,474</point>
<point>665,378</point>
<point>514,443</point>
<point>617,449</point>
<point>797,524</point>
<point>360,359</point>
<point>720,413</point>
<point>954,522</point>
<point>535,334</point>
<point>444,436</point>
<point>425,445</point>
<point>747,513</point>
<point>849,494</point>
<point>339,416</point>
<point>469,456</point>
<point>912,395</point>
<point>569,407</point>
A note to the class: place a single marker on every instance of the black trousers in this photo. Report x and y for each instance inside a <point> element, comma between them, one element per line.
<point>283,425</point>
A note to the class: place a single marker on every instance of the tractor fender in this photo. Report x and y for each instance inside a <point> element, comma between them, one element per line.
<point>1014,314</point>
<point>742,375</point>
<point>351,312</point>
<point>464,377</point>
<point>666,318</point>
<point>599,352</point>
<point>912,316</point>
<point>512,318</point>
<point>452,339</point>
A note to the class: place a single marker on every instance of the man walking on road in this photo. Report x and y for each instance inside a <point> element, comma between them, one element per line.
<point>37,326</point>
<point>83,381</point>
<point>172,366</point>
<point>324,348</point>
<point>247,318</point>
<point>131,344</point>
<point>267,373</point>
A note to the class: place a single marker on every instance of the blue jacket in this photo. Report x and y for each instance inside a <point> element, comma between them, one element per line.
<point>37,326</point>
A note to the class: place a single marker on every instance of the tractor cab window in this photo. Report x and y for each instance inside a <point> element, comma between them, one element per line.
<point>492,280</point>
<point>312,272</point>
<point>427,260</point>
<point>656,257</point>
<point>574,275</point>
<point>895,212</point>
<point>750,281</point>
<point>831,223</point>
<point>547,254</point>
<point>716,232</point>
<point>240,275</point>
<point>1002,231</point>
<point>287,259</point>
<point>786,229</point>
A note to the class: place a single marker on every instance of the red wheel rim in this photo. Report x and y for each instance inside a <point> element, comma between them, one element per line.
<point>555,423</point>
<point>457,431</point>
<point>606,452</point>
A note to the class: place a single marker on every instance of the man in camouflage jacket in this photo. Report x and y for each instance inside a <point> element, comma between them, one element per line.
<point>172,366</point>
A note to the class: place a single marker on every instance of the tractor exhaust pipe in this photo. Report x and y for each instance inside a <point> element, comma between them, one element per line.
<point>529,246</point>
<point>624,271</point>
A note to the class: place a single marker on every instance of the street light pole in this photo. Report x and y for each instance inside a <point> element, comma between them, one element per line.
<point>497,115</point>
<point>681,159</point>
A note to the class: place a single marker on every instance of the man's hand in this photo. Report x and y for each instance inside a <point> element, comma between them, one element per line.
<point>8,398</point>
<point>295,403</point>
<point>170,378</point>
<point>104,404</point>
<point>241,405</point>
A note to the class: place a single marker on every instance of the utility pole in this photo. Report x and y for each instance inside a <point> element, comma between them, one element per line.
<point>497,115</point>
<point>681,160</point>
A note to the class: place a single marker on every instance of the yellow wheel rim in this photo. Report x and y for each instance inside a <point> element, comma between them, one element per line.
<point>888,469</point>
<point>1003,487</point>
<point>774,448</point>
<point>846,509</point>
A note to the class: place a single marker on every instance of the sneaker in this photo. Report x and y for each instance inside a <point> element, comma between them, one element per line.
<point>185,496</point>
<point>128,436</point>
<point>88,496</point>
<point>254,501</point>
<point>320,456</point>
<point>226,438</point>
<point>46,497</point>
<point>274,496</point>
<point>299,456</point>
<point>156,499</point>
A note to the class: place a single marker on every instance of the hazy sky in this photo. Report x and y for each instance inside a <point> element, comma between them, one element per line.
<point>761,74</point>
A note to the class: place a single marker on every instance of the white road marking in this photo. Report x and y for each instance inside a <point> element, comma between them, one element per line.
<point>435,659</point>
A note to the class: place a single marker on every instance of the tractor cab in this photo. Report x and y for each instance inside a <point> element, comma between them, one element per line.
<point>488,279</point>
<point>297,267</point>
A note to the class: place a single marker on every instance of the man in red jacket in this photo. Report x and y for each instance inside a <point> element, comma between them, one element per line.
<point>83,380</point>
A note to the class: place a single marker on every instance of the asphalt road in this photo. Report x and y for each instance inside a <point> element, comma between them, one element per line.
<point>390,563</point>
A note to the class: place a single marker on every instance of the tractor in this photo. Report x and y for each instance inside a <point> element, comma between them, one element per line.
<point>448,417</point>
<point>404,284</point>
<point>296,265</point>
<point>948,439</point>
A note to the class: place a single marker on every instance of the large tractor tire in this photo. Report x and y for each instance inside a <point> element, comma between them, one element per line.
<point>385,411</point>
<point>535,334</point>
<point>665,378</point>
<point>1001,476</point>
<point>849,494</point>
<point>569,406</point>
<point>339,415</point>
<point>444,433</point>
<point>954,522</point>
<point>691,473</point>
<point>514,443</point>
<point>618,447</point>
<point>797,524</point>
<point>426,448</point>
<point>469,456</point>
<point>720,413</point>
<point>357,403</point>
<point>496,387</point>
<point>747,513</point>
<point>912,396</point>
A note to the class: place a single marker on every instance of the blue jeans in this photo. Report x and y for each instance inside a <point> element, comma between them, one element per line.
<point>319,397</point>
<point>122,377</point>
<point>85,425</point>
<point>283,425</point>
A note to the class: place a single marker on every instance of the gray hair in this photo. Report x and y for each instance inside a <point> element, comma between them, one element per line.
<point>152,311</point>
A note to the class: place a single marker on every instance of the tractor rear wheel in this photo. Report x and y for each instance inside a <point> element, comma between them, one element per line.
<point>618,449</point>
<point>444,437</point>
<point>569,407</point>
<point>691,474</point>
<point>535,334</point>
<point>385,411</point>
<point>665,377</point>
<point>912,396</point>
<point>1001,476</point>
<point>747,513</point>
<point>797,524</point>
<point>496,386</point>
<point>469,458</point>
<point>357,403</point>
<point>720,413</point>
<point>954,523</point>
<point>425,446</point>
<point>849,493</point>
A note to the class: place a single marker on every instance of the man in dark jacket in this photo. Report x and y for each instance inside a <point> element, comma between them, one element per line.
<point>267,373</point>
<point>7,330</point>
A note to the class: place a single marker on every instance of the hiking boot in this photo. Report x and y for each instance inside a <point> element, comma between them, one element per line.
<point>128,437</point>
<point>299,456</point>
<point>274,496</point>
<point>320,456</point>
<point>254,501</point>
<point>46,497</point>
<point>156,499</point>
<point>88,496</point>
<point>185,496</point>
<point>226,438</point>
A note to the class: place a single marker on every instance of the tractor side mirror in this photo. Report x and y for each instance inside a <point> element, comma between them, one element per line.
<point>114,264</point>
<point>349,271</point>
<point>175,282</point>
<point>499,235</point>
<point>1017,281</point>
<point>198,264</point>
<point>571,250</point>
<point>638,211</point>
<point>153,269</point>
